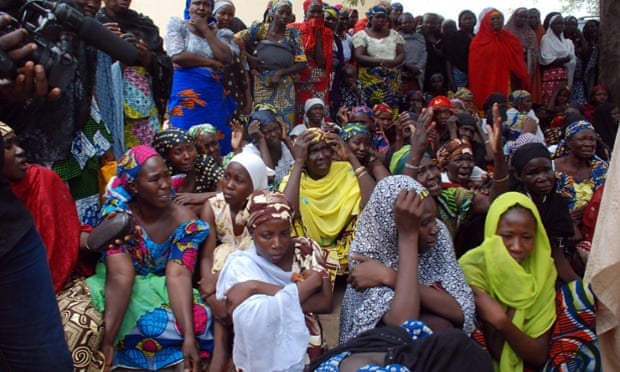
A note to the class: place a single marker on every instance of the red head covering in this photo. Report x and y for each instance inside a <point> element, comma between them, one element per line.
<point>493,57</point>
<point>440,101</point>
<point>381,107</point>
<point>308,2</point>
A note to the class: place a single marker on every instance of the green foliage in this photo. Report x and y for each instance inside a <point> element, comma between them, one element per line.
<point>355,2</point>
<point>591,6</point>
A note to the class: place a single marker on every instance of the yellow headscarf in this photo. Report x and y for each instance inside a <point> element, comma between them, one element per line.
<point>327,205</point>
<point>528,287</point>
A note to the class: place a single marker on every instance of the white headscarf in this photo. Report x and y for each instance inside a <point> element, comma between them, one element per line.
<point>308,105</point>
<point>256,168</point>
<point>553,47</point>
<point>219,4</point>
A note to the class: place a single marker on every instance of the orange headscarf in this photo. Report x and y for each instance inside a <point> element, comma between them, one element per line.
<point>493,56</point>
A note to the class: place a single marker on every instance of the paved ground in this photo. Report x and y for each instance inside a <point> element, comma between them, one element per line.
<point>331,322</point>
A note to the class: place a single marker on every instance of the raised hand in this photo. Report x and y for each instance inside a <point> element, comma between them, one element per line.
<point>495,131</point>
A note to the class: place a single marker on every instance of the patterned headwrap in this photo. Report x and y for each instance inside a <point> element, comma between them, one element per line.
<point>263,206</point>
<point>452,149</point>
<point>440,101</point>
<point>317,135</point>
<point>362,110</point>
<point>572,129</point>
<point>219,4</point>
<point>5,129</point>
<point>131,162</point>
<point>377,9</point>
<point>117,194</point>
<point>167,139</point>
<point>330,11</point>
<point>517,96</point>
<point>464,94</point>
<point>199,129</point>
<point>264,117</point>
<point>274,5</point>
<point>381,107</point>
<point>352,130</point>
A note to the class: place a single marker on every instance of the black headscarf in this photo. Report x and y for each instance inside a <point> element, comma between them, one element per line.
<point>528,152</point>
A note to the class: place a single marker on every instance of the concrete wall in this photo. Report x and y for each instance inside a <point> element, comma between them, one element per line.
<point>248,10</point>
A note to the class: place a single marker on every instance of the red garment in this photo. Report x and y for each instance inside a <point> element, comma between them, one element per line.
<point>314,82</point>
<point>48,199</point>
<point>493,56</point>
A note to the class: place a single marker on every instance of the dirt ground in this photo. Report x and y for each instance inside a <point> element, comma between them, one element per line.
<point>331,322</point>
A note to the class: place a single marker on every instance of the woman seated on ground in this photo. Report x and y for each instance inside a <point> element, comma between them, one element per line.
<point>195,177</point>
<point>533,175</point>
<point>244,174</point>
<point>315,111</point>
<point>579,170</point>
<point>456,204</point>
<point>521,102</point>
<point>273,289</point>
<point>445,297</point>
<point>357,139</point>
<point>152,317</point>
<point>388,347</point>
<point>327,196</point>
<point>270,141</point>
<point>49,201</point>
<point>513,278</point>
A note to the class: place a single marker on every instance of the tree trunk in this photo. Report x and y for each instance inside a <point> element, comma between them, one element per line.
<point>609,43</point>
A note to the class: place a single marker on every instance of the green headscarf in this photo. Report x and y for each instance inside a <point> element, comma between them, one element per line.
<point>529,287</point>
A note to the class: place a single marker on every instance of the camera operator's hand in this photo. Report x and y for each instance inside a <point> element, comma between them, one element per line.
<point>30,81</point>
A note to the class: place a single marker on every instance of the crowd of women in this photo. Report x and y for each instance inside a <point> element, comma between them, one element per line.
<point>210,196</point>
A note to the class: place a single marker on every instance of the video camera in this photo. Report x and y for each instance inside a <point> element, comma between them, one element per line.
<point>52,26</point>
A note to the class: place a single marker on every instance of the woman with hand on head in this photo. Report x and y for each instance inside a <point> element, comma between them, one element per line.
<point>273,289</point>
<point>513,277</point>
<point>383,328</point>
<point>445,298</point>
<point>357,139</point>
<point>200,51</point>
<point>326,195</point>
<point>275,53</point>
<point>270,141</point>
<point>146,279</point>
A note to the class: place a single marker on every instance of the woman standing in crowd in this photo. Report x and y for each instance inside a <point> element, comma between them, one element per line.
<point>318,41</point>
<point>456,48</point>
<point>495,59</point>
<point>606,122</point>
<point>200,51</point>
<point>145,86</point>
<point>517,24</point>
<point>275,54</point>
<point>147,280</point>
<point>557,55</point>
<point>379,51</point>
<point>236,77</point>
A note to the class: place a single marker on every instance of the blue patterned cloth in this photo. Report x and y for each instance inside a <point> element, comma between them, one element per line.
<point>416,329</point>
